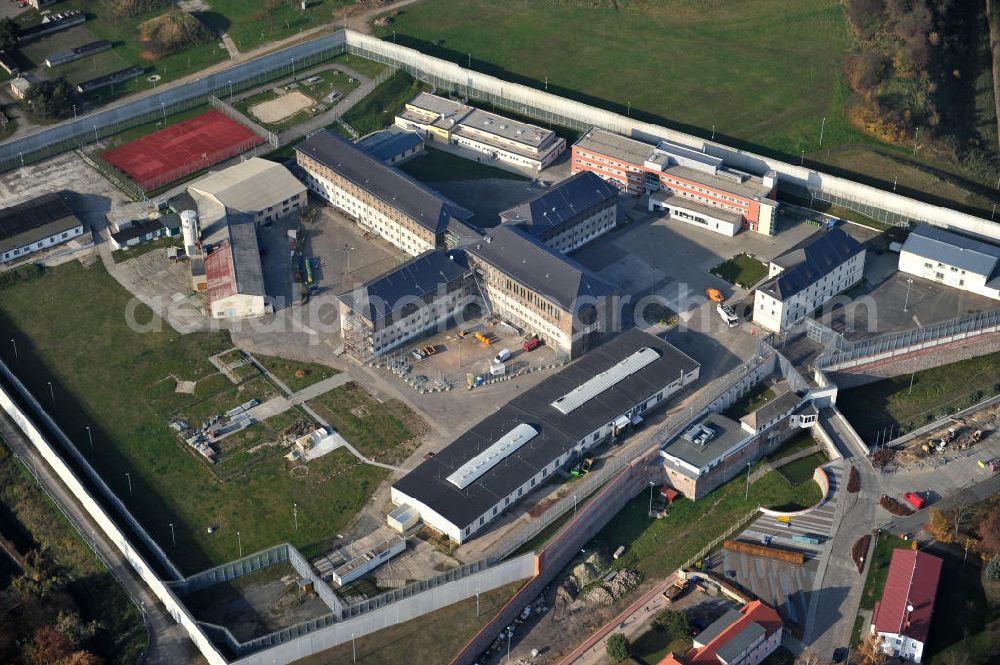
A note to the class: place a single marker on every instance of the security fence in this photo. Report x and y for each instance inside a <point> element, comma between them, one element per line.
<point>233,113</point>
<point>932,335</point>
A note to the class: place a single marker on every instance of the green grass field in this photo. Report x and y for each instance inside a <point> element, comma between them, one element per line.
<point>286,371</point>
<point>878,567</point>
<point>658,547</point>
<point>377,110</point>
<point>70,327</point>
<point>703,66</point>
<point>250,23</point>
<point>742,270</point>
<point>440,166</point>
<point>801,470</point>
<point>758,396</point>
<point>936,392</point>
<point>796,444</point>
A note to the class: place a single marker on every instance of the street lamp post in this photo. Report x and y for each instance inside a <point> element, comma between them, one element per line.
<point>628,109</point>
<point>163,113</point>
<point>906,303</point>
<point>14,344</point>
<point>295,514</point>
<point>74,111</point>
<point>822,128</point>
<point>802,158</point>
<point>230,90</point>
<point>651,483</point>
<point>173,538</point>
<point>52,393</point>
<point>354,651</point>
<point>90,437</point>
<point>128,477</point>
<point>510,634</point>
<point>239,543</point>
<point>747,496</point>
<point>574,505</point>
<point>470,60</point>
<point>713,132</point>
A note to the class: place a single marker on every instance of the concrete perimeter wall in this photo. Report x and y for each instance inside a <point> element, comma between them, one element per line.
<point>108,526</point>
<point>888,206</point>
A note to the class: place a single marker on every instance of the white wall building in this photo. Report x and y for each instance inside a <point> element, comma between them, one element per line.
<point>36,225</point>
<point>953,260</point>
<point>806,278</point>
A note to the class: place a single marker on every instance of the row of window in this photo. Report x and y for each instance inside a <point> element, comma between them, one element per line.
<point>44,242</point>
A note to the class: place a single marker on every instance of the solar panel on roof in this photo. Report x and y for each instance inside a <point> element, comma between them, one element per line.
<point>606,379</point>
<point>505,446</point>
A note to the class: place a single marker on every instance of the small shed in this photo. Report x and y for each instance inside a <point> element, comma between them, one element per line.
<point>669,494</point>
<point>403,518</point>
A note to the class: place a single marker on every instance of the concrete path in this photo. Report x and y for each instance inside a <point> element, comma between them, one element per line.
<point>328,117</point>
<point>227,41</point>
<point>168,642</point>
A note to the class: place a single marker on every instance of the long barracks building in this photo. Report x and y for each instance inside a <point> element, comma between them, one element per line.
<point>692,186</point>
<point>515,450</point>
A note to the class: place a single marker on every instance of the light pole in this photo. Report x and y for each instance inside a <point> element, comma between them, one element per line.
<point>95,133</point>
<point>510,634</point>
<point>650,496</point>
<point>628,109</point>
<point>906,303</point>
<point>574,505</point>
<point>546,84</point>
<point>21,155</point>
<point>747,496</point>
<point>230,90</point>
<point>52,393</point>
<point>173,538</point>
<point>293,69</point>
<point>802,158</point>
<point>90,437</point>
<point>295,513</point>
<point>994,211</point>
<point>916,135</point>
<point>713,132</point>
<point>470,60</point>
<point>128,477</point>
<point>163,113</point>
<point>477,600</point>
<point>14,344</point>
<point>912,374</point>
<point>239,543</point>
<point>74,111</point>
<point>354,651</point>
<point>822,128</point>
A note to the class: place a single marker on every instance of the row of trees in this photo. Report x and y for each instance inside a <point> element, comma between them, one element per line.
<point>51,100</point>
<point>964,524</point>
<point>673,623</point>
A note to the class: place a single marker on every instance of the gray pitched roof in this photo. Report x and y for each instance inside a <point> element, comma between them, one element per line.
<point>556,277</point>
<point>388,143</point>
<point>740,642</point>
<point>31,221</point>
<point>719,626</point>
<point>386,183</point>
<point>810,263</point>
<point>137,230</point>
<point>407,283</point>
<point>562,203</point>
<point>953,249</point>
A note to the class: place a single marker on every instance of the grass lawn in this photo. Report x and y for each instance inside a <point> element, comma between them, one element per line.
<point>797,443</point>
<point>379,108</point>
<point>71,330</point>
<point>287,370</point>
<point>432,638</point>
<point>741,270</point>
<point>658,547</point>
<point>653,646</point>
<point>701,53</point>
<point>801,470</point>
<point>121,637</point>
<point>878,567</point>
<point>936,393</point>
<point>251,24</point>
<point>440,166</point>
<point>158,245</point>
<point>79,70</point>
<point>759,395</point>
<point>384,431</point>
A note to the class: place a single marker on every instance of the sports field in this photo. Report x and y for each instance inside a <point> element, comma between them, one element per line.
<point>180,149</point>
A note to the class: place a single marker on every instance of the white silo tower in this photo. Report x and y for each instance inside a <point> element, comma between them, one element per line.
<point>189,229</point>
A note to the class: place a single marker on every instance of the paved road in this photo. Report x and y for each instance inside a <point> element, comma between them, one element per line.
<point>168,643</point>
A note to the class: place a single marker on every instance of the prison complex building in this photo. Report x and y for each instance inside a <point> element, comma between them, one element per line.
<point>511,452</point>
<point>231,203</point>
<point>502,140</point>
<point>953,260</point>
<point>406,303</point>
<point>35,225</point>
<point>716,448</point>
<point>805,278</point>
<point>542,292</point>
<point>691,186</point>
<point>393,145</point>
<point>570,214</point>
<point>380,198</point>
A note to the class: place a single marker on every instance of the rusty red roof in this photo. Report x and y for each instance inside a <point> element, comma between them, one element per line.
<point>911,583</point>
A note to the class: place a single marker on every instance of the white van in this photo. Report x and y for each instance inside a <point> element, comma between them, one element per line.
<point>728,315</point>
<point>503,355</point>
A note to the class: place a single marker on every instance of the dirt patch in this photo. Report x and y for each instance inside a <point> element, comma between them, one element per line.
<point>185,387</point>
<point>359,411</point>
<point>276,110</point>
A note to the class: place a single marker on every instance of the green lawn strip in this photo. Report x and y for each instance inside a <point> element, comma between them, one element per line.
<point>378,430</point>
<point>440,166</point>
<point>658,547</point>
<point>432,638</point>
<point>251,23</point>
<point>362,66</point>
<point>122,636</point>
<point>378,109</point>
<point>71,329</point>
<point>287,370</point>
<point>758,396</point>
<point>796,444</point>
<point>801,470</point>
<point>936,393</point>
<point>653,646</point>
<point>157,245</point>
<point>878,567</point>
<point>741,270</point>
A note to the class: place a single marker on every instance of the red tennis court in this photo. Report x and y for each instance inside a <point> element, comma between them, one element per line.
<point>175,151</point>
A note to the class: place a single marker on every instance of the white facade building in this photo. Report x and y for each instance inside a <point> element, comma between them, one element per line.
<point>806,278</point>
<point>953,260</point>
<point>36,225</point>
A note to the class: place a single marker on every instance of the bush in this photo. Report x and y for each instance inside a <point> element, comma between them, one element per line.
<point>854,481</point>
<point>617,647</point>
<point>894,506</point>
<point>672,622</point>
<point>50,99</point>
<point>859,551</point>
<point>22,274</point>
<point>136,7</point>
<point>171,33</point>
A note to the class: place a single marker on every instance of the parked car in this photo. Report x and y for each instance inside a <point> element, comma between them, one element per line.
<point>914,499</point>
<point>531,344</point>
<point>502,355</point>
<point>839,654</point>
<point>418,354</point>
<point>429,351</point>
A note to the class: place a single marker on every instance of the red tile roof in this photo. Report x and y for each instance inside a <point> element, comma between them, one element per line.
<point>753,612</point>
<point>912,580</point>
<point>221,273</point>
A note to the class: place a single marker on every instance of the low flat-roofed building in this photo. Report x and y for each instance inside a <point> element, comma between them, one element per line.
<point>717,220</point>
<point>541,291</point>
<point>691,176</point>
<point>519,144</point>
<point>511,452</point>
<point>20,85</point>
<point>804,279</point>
<point>739,637</point>
<point>380,198</point>
<point>952,259</point>
<point>35,225</point>
<point>406,303</point>
<point>902,617</point>
<point>262,190</point>
<point>144,231</point>
<point>393,145</point>
<point>570,214</point>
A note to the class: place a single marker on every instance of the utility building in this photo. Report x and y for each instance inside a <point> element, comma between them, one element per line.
<point>953,260</point>
<point>691,186</point>
<point>380,198</point>
<point>804,279</point>
<point>510,453</point>
<point>483,134</point>
<point>902,617</point>
<point>35,225</point>
<point>569,215</point>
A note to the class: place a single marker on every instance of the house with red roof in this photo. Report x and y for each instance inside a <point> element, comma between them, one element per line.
<point>739,637</point>
<point>902,618</point>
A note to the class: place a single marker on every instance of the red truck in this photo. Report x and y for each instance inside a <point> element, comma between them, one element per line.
<point>531,344</point>
<point>915,499</point>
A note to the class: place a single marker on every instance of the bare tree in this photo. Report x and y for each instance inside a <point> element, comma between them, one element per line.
<point>870,651</point>
<point>961,507</point>
<point>807,657</point>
